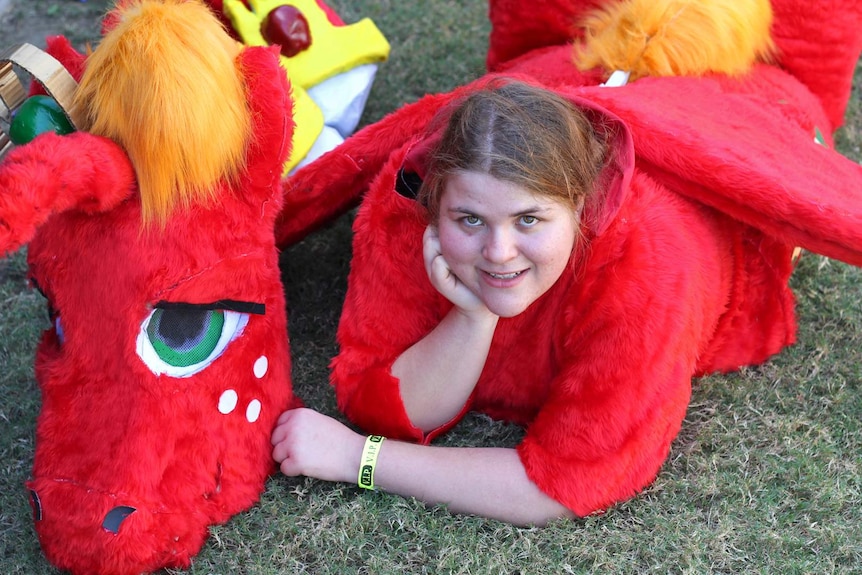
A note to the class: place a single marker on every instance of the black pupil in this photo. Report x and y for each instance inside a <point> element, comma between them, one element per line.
<point>176,327</point>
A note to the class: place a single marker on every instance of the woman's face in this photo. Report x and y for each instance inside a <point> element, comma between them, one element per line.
<point>507,245</point>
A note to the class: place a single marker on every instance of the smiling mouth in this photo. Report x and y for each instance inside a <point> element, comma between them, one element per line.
<point>507,276</point>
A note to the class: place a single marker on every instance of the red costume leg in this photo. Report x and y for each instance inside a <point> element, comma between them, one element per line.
<point>820,43</point>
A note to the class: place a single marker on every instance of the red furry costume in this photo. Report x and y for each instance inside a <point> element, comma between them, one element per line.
<point>168,362</point>
<point>687,262</point>
<point>133,463</point>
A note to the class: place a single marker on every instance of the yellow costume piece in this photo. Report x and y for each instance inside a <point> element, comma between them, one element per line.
<point>333,50</point>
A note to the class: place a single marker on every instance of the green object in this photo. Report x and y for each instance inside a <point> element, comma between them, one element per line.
<point>818,137</point>
<point>185,338</point>
<point>37,115</point>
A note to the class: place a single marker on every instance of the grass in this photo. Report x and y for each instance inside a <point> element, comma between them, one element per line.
<point>764,477</point>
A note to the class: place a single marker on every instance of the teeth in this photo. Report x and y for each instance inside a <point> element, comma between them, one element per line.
<point>504,276</point>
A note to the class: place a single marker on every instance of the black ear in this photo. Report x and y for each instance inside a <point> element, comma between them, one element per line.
<point>416,161</point>
<point>408,183</point>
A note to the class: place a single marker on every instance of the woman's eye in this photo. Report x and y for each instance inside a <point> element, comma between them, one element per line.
<point>529,220</point>
<point>180,342</point>
<point>471,220</point>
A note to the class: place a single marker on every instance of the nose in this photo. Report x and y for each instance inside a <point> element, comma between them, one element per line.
<point>115,517</point>
<point>500,245</point>
<point>83,530</point>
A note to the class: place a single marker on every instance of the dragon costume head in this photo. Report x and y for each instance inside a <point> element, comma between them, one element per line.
<point>151,237</point>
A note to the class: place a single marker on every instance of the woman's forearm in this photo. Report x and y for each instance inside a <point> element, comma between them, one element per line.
<point>485,481</point>
<point>488,482</point>
<point>438,373</point>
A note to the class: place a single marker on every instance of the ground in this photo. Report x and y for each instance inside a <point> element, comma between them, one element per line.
<point>33,20</point>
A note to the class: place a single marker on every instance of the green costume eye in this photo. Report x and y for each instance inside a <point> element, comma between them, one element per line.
<point>182,340</point>
<point>185,337</point>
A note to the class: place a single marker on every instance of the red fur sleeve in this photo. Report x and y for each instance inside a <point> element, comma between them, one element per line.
<point>390,304</point>
<point>632,329</point>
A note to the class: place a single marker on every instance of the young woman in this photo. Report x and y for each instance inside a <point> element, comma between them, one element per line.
<point>540,279</point>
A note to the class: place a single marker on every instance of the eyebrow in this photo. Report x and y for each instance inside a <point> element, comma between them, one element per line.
<point>527,211</point>
<point>224,304</point>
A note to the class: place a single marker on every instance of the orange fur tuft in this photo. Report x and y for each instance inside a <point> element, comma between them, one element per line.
<point>163,84</point>
<point>676,37</point>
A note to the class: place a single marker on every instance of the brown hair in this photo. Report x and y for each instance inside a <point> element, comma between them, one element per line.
<point>521,134</point>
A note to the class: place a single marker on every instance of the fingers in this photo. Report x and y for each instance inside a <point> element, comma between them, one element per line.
<point>289,468</point>
<point>284,435</point>
<point>435,264</point>
<point>431,234</point>
<point>280,432</point>
<point>287,415</point>
<point>430,246</point>
<point>281,450</point>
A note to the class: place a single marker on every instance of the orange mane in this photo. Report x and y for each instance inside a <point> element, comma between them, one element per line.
<point>163,84</point>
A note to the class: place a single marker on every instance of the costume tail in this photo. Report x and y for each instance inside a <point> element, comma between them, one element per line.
<point>676,37</point>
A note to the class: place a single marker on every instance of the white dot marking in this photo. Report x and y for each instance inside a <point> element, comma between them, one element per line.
<point>261,366</point>
<point>252,412</point>
<point>227,401</point>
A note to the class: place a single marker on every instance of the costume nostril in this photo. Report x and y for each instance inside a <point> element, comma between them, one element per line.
<point>36,503</point>
<point>115,517</point>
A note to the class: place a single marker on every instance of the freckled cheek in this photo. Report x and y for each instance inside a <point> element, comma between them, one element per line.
<point>555,269</point>
<point>462,254</point>
<point>551,254</point>
<point>458,248</point>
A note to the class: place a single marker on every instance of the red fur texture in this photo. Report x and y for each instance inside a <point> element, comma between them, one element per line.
<point>112,432</point>
<point>519,27</point>
<point>818,42</point>
<point>54,174</point>
<point>689,278</point>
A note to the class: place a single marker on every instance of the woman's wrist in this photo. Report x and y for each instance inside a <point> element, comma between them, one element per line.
<point>478,318</point>
<point>350,456</point>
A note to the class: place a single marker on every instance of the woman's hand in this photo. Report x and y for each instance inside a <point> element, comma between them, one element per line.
<point>442,277</point>
<point>312,444</point>
<point>490,482</point>
<point>438,373</point>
